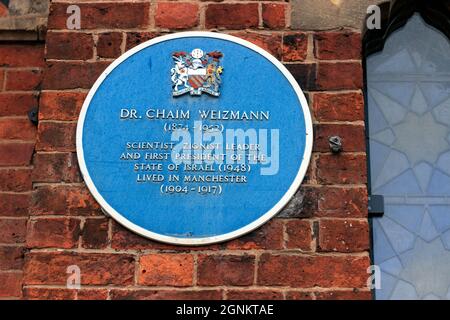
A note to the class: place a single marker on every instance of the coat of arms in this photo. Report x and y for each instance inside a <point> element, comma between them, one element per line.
<point>196,72</point>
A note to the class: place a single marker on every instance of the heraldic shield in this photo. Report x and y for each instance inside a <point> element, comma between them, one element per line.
<point>196,72</point>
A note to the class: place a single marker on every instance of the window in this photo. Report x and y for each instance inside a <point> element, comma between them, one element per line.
<point>408,103</point>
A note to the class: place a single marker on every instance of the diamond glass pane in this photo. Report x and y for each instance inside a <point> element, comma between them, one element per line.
<point>409,131</point>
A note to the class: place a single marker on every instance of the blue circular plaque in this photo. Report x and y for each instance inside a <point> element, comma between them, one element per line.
<point>194,138</point>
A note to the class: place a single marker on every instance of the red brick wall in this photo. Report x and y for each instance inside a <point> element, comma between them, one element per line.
<point>319,250</point>
<point>20,77</point>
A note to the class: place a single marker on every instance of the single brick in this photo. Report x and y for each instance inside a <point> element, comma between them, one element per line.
<point>16,153</point>
<point>23,80</point>
<point>109,44</point>
<point>56,136</point>
<point>11,258</point>
<point>13,230</point>
<point>53,233</point>
<point>341,169</point>
<point>304,73</point>
<point>173,15</point>
<point>299,235</point>
<point>274,15</point>
<point>301,271</point>
<point>11,285</point>
<point>17,128</point>
<point>343,235</point>
<point>232,15</point>
<point>353,137</point>
<point>338,106</point>
<point>21,55</point>
<point>343,202</point>
<point>339,76</point>
<point>14,204</point>
<point>17,104</point>
<point>60,105</point>
<point>69,46</point>
<point>345,45</point>
<point>17,180</point>
<point>234,270</point>
<point>295,47</point>
<point>166,269</point>
<point>95,233</point>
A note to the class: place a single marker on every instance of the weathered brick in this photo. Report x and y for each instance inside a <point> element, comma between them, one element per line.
<point>76,74</point>
<point>172,15</point>
<point>299,235</point>
<point>23,80</point>
<point>344,295</point>
<point>49,294</point>
<point>16,153</point>
<point>269,42</point>
<point>17,180</point>
<point>353,137</point>
<point>136,38</point>
<point>338,106</point>
<point>343,235</point>
<point>21,55</point>
<point>269,236</point>
<point>95,233</point>
<point>232,15</point>
<point>295,47</point>
<point>304,73</point>
<point>166,269</point>
<point>63,200</point>
<point>217,270</point>
<point>56,167</point>
<point>11,258</point>
<point>11,285</point>
<point>299,295</point>
<point>110,15</point>
<point>96,268</point>
<point>274,15</point>
<point>343,202</point>
<point>310,271</point>
<point>60,105</point>
<point>92,294</point>
<point>53,233</point>
<point>254,295</point>
<point>13,230</point>
<point>17,104</point>
<point>56,136</point>
<point>343,45</point>
<point>69,46</point>
<point>341,169</point>
<point>339,75</point>
<point>140,294</point>
<point>14,204</point>
<point>17,128</point>
<point>109,44</point>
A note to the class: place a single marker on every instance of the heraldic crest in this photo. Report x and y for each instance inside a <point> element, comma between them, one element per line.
<point>196,72</point>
